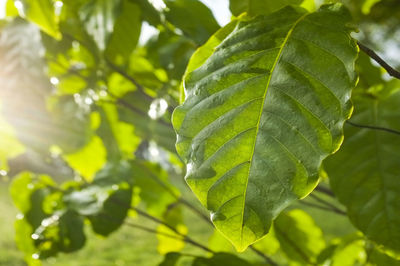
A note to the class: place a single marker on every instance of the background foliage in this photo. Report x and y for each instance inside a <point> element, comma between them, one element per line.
<point>87,147</point>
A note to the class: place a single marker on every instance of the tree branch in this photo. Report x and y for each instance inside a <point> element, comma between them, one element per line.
<point>319,207</point>
<point>390,70</point>
<point>128,77</point>
<point>325,190</point>
<point>303,255</point>
<point>158,221</point>
<point>389,130</point>
<point>328,204</point>
<point>261,254</point>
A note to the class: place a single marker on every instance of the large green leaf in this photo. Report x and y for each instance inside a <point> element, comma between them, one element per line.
<point>364,174</point>
<point>266,99</point>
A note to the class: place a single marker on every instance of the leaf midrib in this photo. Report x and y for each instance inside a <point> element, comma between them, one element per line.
<point>278,57</point>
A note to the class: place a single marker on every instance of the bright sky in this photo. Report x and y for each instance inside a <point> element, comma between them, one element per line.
<point>2,8</point>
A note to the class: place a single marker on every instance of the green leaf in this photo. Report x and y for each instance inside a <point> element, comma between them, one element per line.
<point>193,18</point>
<point>88,160</point>
<point>149,13</point>
<point>299,237</point>
<point>263,108</point>
<point>269,244</point>
<point>153,187</point>
<point>41,12</point>
<point>364,173</point>
<point>126,32</point>
<point>258,7</point>
<point>107,200</point>
<point>376,257</point>
<point>347,251</point>
<point>61,232</point>
<point>170,259</point>
<point>98,17</point>
<point>173,217</point>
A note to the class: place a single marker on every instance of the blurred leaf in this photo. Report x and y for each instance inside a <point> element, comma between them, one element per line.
<point>299,237</point>
<point>171,52</point>
<point>149,13</point>
<point>193,18</point>
<point>173,217</point>
<point>259,7</point>
<point>154,187</point>
<point>28,193</point>
<point>106,200</point>
<point>269,244</point>
<point>170,259</point>
<point>364,172</point>
<point>61,232</point>
<point>99,17</point>
<point>219,259</point>
<point>41,12</point>
<point>136,113</point>
<point>119,137</point>
<point>347,251</point>
<point>88,160</point>
<point>126,32</point>
<point>377,257</point>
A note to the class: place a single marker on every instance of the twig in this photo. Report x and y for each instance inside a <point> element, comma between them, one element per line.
<point>325,190</point>
<point>158,221</point>
<point>293,244</point>
<point>328,204</point>
<point>390,70</point>
<point>261,254</point>
<point>389,130</point>
<point>128,77</point>
<point>318,206</point>
<point>134,109</point>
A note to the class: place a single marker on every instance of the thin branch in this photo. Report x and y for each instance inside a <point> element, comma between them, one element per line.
<point>389,130</point>
<point>128,77</point>
<point>127,105</point>
<point>294,245</point>
<point>390,70</point>
<point>158,221</point>
<point>314,205</point>
<point>151,230</point>
<point>261,254</point>
<point>325,190</point>
<point>328,204</point>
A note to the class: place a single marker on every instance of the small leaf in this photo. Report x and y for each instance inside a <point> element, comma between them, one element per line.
<point>193,18</point>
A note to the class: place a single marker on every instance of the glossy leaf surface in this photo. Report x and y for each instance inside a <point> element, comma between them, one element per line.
<point>266,99</point>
